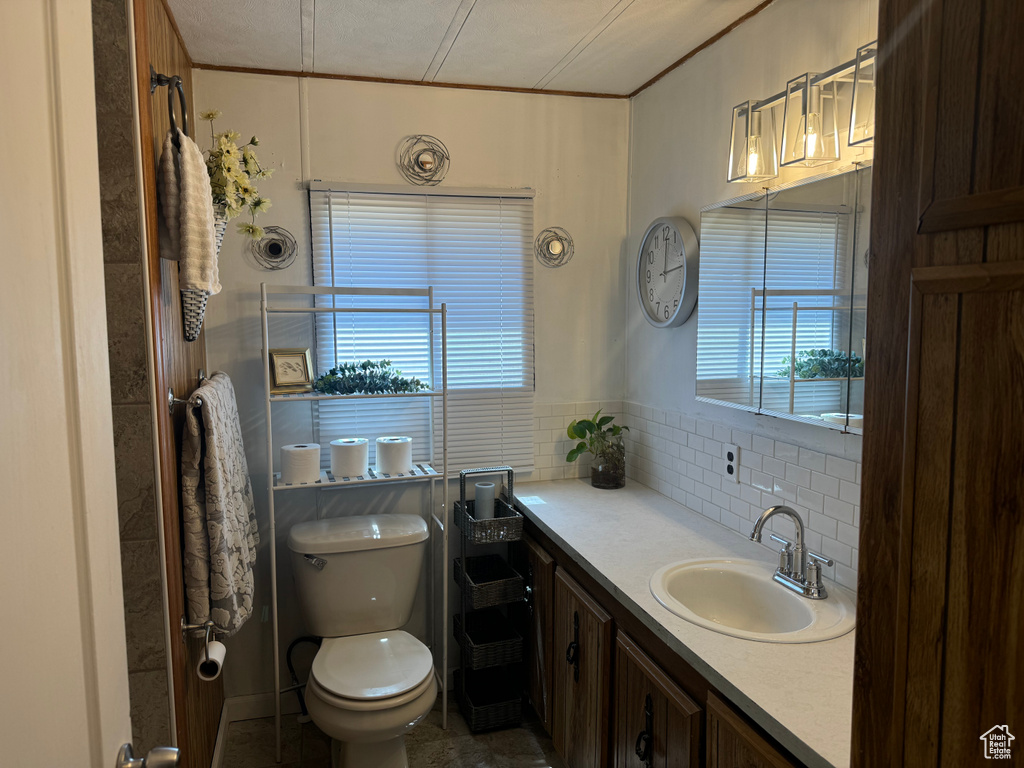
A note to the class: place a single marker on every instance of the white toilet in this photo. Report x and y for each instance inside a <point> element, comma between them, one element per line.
<point>356,579</point>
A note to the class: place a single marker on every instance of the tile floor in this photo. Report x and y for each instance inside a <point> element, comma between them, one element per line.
<point>250,744</point>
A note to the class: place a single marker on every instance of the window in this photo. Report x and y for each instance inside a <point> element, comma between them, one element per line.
<point>475,251</point>
<point>800,258</point>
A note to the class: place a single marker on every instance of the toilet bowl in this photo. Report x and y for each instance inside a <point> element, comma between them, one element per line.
<point>370,682</point>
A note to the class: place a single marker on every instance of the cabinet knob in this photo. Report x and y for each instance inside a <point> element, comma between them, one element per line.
<point>643,740</point>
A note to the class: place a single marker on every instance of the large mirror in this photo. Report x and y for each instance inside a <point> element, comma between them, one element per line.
<point>781,309</point>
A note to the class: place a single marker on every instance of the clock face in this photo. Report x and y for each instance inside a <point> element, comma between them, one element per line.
<point>666,291</point>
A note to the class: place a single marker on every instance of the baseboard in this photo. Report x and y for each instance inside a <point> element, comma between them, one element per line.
<point>257,705</point>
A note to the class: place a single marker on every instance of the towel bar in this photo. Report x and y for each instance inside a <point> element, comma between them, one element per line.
<point>173,401</point>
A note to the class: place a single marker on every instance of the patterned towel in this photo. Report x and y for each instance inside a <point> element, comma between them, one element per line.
<point>187,205</point>
<point>219,517</point>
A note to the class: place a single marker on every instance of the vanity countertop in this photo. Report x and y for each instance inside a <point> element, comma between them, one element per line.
<point>801,694</point>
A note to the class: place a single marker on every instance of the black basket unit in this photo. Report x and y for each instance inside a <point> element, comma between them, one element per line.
<point>489,680</point>
<point>489,639</point>
<point>490,699</point>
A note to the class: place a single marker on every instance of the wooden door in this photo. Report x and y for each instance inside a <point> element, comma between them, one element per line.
<point>176,364</point>
<point>652,714</point>
<point>535,622</point>
<point>582,676</point>
<point>941,577</point>
<point>732,743</point>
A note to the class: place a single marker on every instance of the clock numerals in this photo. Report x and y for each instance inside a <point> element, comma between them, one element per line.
<point>650,292</point>
<point>650,257</point>
<point>648,275</point>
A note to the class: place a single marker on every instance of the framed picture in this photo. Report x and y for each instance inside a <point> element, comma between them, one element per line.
<point>291,370</point>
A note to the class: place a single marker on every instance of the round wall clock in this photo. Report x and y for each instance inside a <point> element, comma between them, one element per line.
<point>666,272</point>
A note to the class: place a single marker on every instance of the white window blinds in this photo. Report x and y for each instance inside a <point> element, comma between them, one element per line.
<point>806,256</point>
<point>476,253</point>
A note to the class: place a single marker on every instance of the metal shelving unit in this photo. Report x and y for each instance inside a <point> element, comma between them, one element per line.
<point>422,472</point>
<point>489,679</point>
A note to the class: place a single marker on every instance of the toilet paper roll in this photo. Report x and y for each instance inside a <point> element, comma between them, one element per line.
<point>209,669</point>
<point>350,457</point>
<point>300,463</point>
<point>484,501</point>
<point>394,455</point>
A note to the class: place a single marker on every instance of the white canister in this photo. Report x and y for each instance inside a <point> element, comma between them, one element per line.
<point>350,457</point>
<point>394,455</point>
<point>484,501</point>
<point>300,463</point>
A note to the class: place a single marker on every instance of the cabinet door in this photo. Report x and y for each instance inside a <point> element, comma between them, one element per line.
<point>582,676</point>
<point>734,744</point>
<point>536,625</point>
<point>652,714</point>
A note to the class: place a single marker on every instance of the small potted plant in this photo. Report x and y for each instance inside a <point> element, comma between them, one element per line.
<point>604,440</point>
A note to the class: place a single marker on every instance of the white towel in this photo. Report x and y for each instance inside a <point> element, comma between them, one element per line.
<point>218,515</point>
<point>188,213</point>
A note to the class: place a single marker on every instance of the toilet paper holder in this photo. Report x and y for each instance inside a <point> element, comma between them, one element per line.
<point>206,628</point>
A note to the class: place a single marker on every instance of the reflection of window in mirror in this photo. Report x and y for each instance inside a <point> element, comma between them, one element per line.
<point>782,296</point>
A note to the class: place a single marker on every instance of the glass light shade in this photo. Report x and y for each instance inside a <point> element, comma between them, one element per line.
<point>752,154</point>
<point>810,135</point>
<point>862,104</point>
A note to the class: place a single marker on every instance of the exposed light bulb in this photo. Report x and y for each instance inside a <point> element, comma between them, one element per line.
<point>755,157</point>
<point>815,147</point>
<point>555,247</point>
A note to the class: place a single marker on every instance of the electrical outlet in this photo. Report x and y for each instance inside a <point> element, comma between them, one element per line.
<point>731,454</point>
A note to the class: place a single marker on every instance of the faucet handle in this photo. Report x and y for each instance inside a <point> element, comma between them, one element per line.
<point>785,555</point>
<point>820,558</point>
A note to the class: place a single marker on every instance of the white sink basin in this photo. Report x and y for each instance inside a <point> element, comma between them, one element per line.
<point>739,598</point>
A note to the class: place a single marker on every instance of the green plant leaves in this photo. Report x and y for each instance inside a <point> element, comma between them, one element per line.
<point>367,377</point>
<point>576,452</point>
<point>822,364</point>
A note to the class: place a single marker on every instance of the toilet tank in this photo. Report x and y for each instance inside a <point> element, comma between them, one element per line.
<point>370,571</point>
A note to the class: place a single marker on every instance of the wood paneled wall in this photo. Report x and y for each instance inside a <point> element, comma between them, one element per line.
<point>197,705</point>
<point>941,590</point>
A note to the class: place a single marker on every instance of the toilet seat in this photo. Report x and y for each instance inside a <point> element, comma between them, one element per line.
<point>377,669</point>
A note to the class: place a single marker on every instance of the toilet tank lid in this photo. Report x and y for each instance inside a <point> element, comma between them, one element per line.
<point>351,534</point>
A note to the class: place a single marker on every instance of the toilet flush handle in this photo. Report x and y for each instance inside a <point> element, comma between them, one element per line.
<point>316,562</point>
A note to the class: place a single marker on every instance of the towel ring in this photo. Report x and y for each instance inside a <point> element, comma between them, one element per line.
<point>173,83</point>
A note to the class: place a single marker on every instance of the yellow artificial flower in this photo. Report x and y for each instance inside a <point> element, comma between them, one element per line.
<point>210,114</point>
<point>260,205</point>
<point>253,231</point>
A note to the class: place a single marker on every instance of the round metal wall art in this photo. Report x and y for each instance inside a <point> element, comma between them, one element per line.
<point>554,247</point>
<point>423,160</point>
<point>275,250</point>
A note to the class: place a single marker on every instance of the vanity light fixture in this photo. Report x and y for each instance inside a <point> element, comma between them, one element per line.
<point>752,155</point>
<point>810,135</point>
<point>862,103</point>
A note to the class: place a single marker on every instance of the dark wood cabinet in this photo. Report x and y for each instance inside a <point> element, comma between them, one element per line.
<point>656,725</point>
<point>535,622</point>
<point>732,743</point>
<point>582,675</point>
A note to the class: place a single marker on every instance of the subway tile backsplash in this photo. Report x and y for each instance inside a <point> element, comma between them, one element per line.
<point>683,458</point>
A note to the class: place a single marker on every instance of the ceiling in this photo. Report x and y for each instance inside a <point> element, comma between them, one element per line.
<point>591,46</point>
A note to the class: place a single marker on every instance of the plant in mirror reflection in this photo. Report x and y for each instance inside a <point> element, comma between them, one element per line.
<point>823,364</point>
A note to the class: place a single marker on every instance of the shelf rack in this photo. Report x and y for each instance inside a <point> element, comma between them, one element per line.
<point>795,309</point>
<point>423,472</point>
<point>488,682</point>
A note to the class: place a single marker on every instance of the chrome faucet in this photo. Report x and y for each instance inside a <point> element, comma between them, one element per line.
<point>794,572</point>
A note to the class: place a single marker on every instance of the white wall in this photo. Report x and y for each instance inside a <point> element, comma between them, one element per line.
<point>679,148</point>
<point>572,151</point>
